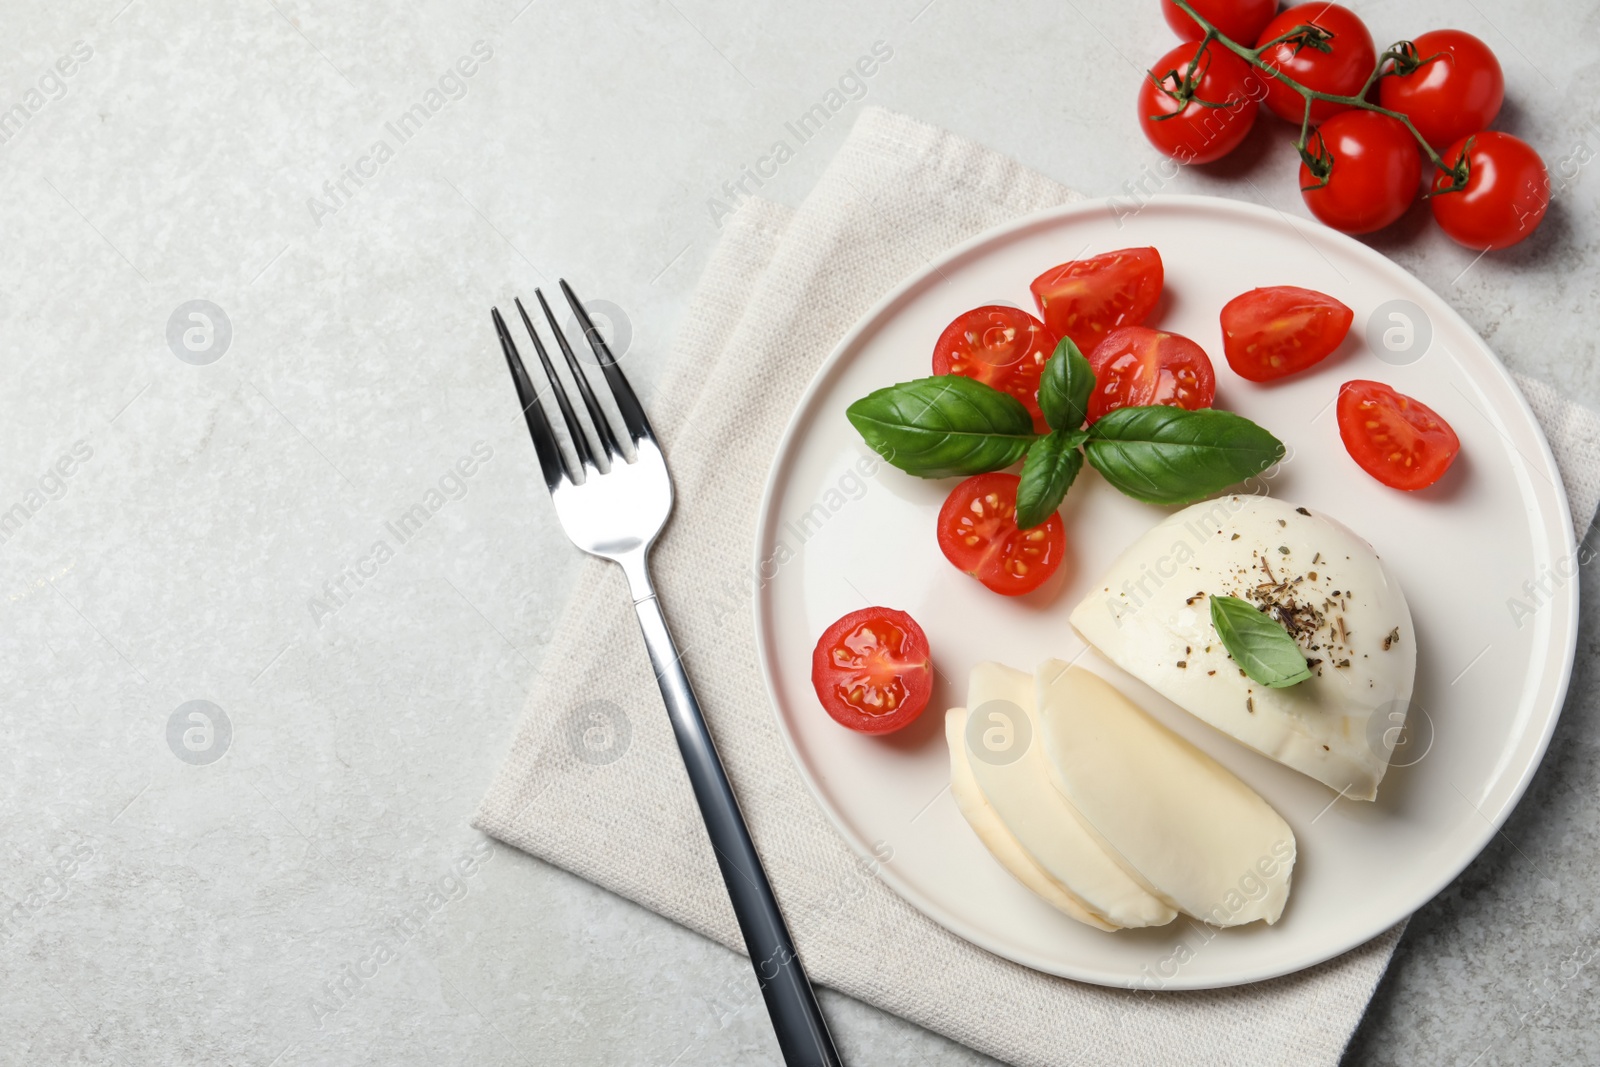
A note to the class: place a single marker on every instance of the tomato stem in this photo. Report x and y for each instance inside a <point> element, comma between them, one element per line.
<point>1194,60</point>
<point>1185,85</point>
<point>1318,162</point>
<point>1308,35</point>
<point>1393,52</point>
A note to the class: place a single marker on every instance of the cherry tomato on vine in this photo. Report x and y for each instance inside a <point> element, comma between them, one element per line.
<point>978,533</point>
<point>1281,330</point>
<point>1451,86</point>
<point>1199,119</point>
<point>1241,21</point>
<point>1341,71</point>
<point>1087,298</point>
<point>1136,365</point>
<point>871,670</point>
<point>1505,197</point>
<point>1000,346</point>
<point>1399,441</point>
<point>1373,176</point>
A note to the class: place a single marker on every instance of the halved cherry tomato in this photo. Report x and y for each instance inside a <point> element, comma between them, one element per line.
<point>871,670</point>
<point>1209,125</point>
<point>1000,346</point>
<point>978,533</point>
<point>1239,20</point>
<point>1376,172</point>
<point>1399,441</point>
<point>1088,298</point>
<point>1281,330</point>
<point>1136,365</point>
<point>1340,71</point>
<point>1455,89</point>
<point>1506,195</point>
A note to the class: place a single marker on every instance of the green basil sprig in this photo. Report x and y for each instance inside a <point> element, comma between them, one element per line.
<point>1166,455</point>
<point>1064,387</point>
<point>945,426</point>
<point>951,426</point>
<point>1258,643</point>
<point>1054,460</point>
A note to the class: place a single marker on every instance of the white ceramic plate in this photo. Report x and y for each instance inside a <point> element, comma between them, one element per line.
<point>1490,681</point>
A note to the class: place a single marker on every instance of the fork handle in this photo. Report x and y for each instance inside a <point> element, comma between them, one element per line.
<point>802,1032</point>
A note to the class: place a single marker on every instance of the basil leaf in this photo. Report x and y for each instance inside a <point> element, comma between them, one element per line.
<point>1167,455</point>
<point>1258,643</point>
<point>1064,387</point>
<point>1053,462</point>
<point>944,426</point>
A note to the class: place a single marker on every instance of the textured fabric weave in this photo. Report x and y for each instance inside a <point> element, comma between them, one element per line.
<point>781,289</point>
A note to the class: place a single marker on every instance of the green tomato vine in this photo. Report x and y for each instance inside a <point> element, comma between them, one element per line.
<point>1319,160</point>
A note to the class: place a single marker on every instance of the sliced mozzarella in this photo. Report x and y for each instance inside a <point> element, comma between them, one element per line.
<point>1150,615</point>
<point>1013,774</point>
<point>1000,842</point>
<point>1171,815</point>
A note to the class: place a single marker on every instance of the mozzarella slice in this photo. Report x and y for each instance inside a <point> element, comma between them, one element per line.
<point>1000,842</point>
<point>1172,816</point>
<point>1150,615</point>
<point>1009,766</point>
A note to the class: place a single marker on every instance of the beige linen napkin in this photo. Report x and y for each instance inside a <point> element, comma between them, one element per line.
<point>593,782</point>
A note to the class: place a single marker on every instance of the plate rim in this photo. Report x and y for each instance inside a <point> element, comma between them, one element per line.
<point>766,518</point>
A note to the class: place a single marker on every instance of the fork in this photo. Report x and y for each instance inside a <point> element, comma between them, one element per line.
<point>616,512</point>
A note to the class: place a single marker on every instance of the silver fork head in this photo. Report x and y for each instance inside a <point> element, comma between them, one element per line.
<point>609,504</point>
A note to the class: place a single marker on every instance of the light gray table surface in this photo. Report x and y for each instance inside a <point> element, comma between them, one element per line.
<point>212,537</point>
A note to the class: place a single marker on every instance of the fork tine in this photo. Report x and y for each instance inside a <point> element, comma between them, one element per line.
<point>601,424</point>
<point>580,443</point>
<point>544,439</point>
<point>633,416</point>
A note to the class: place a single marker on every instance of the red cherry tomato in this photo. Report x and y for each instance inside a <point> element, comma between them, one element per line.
<point>1136,365</point>
<point>1341,71</point>
<point>1455,89</point>
<point>978,533</point>
<point>1000,346</point>
<point>1188,130</point>
<point>1088,298</point>
<point>1376,171</point>
<point>1506,195</point>
<point>1281,330</point>
<point>871,670</point>
<point>1399,441</point>
<point>1241,21</point>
